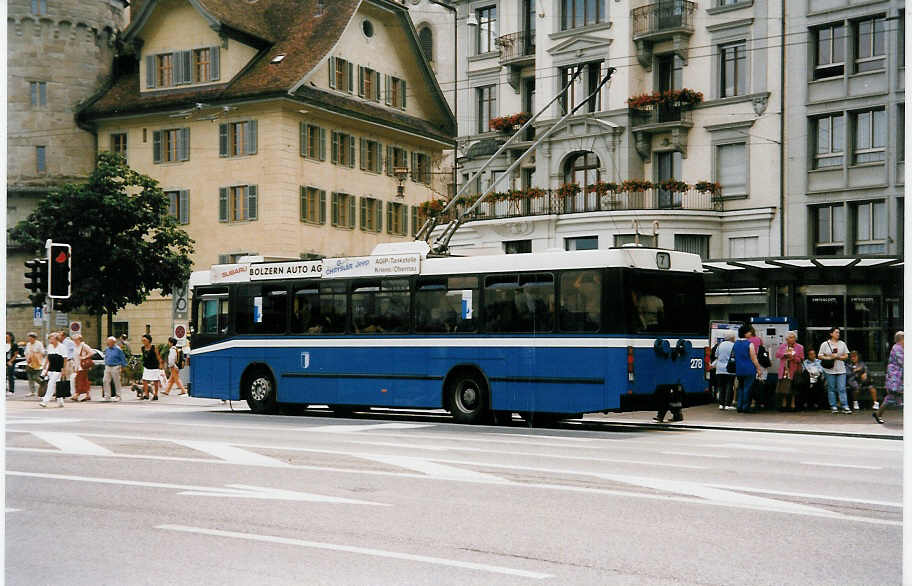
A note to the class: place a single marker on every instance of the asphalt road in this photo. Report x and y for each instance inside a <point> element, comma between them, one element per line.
<point>187,492</point>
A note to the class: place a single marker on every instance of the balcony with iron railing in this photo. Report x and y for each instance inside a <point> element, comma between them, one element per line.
<point>541,202</point>
<point>669,112</point>
<point>517,49</point>
<point>661,21</point>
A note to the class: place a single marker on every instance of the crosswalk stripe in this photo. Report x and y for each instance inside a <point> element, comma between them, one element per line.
<point>72,443</point>
<point>232,454</point>
<point>433,469</point>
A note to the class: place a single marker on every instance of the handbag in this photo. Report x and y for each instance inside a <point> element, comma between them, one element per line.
<point>86,363</point>
<point>732,366</point>
<point>828,362</point>
<point>63,389</point>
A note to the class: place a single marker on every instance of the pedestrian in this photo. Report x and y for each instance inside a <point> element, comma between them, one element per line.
<point>833,353</point>
<point>34,360</point>
<point>114,360</point>
<point>790,354</point>
<point>12,352</point>
<point>858,382</point>
<point>175,363</point>
<point>68,347</point>
<point>152,371</point>
<point>724,378</point>
<point>82,364</point>
<point>747,368</point>
<point>894,382</point>
<point>814,372</point>
<point>54,364</point>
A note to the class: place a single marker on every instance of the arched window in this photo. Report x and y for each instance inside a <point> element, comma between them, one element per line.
<point>426,38</point>
<point>582,168</point>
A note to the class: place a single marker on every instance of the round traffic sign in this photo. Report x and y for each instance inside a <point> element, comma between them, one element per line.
<point>180,332</point>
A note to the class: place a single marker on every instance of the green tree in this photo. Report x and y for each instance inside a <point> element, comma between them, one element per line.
<point>124,243</point>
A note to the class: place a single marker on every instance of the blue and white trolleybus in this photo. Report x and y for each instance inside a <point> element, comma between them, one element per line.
<point>545,335</point>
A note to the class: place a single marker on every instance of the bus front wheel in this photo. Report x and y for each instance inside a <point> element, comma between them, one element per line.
<point>468,399</point>
<point>261,392</point>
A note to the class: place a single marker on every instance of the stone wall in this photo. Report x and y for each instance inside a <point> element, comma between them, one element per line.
<point>71,48</point>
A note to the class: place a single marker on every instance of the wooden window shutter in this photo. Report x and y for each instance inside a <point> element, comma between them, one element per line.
<point>376,95</point>
<point>389,160</point>
<point>335,209</point>
<point>214,63</point>
<point>303,128</point>
<point>303,204</point>
<point>223,204</point>
<point>389,217</point>
<point>334,151</point>
<point>172,203</point>
<point>251,142</point>
<point>378,215</point>
<point>252,202</point>
<point>351,210</point>
<point>184,206</point>
<point>150,71</point>
<point>187,66</point>
<point>402,92</point>
<point>361,81</point>
<point>363,213</point>
<point>363,151</point>
<point>332,72</point>
<point>351,76</point>
<point>322,205</point>
<point>414,220</point>
<point>177,71</point>
<point>414,167</point>
<point>223,140</point>
<point>387,90</point>
<point>183,144</point>
<point>322,144</point>
<point>351,151</point>
<point>156,146</point>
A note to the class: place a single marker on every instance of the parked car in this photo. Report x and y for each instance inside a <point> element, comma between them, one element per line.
<point>20,365</point>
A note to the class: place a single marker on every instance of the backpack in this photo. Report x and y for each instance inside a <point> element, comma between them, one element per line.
<point>763,357</point>
<point>180,360</point>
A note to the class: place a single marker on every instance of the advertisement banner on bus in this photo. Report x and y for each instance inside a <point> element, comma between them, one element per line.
<point>235,273</point>
<point>299,269</point>
<point>371,266</point>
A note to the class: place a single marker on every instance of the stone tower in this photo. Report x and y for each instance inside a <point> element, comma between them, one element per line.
<point>59,54</point>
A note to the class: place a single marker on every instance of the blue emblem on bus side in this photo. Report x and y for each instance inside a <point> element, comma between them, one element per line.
<point>305,359</point>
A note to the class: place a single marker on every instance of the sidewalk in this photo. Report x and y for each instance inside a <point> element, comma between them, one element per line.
<point>822,422</point>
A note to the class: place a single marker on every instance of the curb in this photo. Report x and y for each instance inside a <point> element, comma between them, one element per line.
<point>672,426</point>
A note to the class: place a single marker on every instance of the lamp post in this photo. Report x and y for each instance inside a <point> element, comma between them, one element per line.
<point>401,173</point>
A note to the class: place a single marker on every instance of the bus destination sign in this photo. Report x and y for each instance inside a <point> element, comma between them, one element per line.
<point>299,269</point>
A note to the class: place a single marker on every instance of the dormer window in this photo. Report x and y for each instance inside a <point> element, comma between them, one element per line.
<point>341,74</point>
<point>182,67</point>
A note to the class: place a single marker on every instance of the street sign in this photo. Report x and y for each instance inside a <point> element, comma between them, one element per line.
<point>75,328</point>
<point>180,334</point>
<point>180,303</point>
<point>61,319</point>
<point>37,316</point>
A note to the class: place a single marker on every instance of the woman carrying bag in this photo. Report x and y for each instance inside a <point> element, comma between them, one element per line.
<point>152,372</point>
<point>790,355</point>
<point>53,369</point>
<point>82,362</point>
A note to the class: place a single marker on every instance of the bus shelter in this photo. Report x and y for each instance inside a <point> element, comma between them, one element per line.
<point>860,295</point>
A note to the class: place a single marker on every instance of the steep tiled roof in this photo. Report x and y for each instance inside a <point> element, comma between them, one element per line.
<point>286,27</point>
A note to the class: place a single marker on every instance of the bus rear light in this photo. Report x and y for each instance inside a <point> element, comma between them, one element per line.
<point>630,363</point>
<point>706,365</point>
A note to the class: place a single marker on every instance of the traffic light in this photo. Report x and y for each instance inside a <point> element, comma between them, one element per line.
<point>59,274</point>
<point>36,280</point>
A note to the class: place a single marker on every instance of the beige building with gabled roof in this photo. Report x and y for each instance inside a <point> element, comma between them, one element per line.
<point>278,129</point>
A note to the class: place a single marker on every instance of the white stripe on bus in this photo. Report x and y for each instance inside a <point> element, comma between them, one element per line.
<point>415,342</point>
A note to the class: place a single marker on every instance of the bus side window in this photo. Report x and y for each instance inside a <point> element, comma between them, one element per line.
<point>519,303</point>
<point>212,312</point>
<point>446,305</point>
<point>260,309</point>
<point>380,306</point>
<point>318,309</point>
<point>580,301</point>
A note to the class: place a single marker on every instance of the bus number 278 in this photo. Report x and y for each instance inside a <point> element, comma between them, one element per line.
<point>696,363</point>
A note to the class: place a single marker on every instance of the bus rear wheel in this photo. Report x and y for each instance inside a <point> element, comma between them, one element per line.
<point>261,392</point>
<point>468,399</point>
